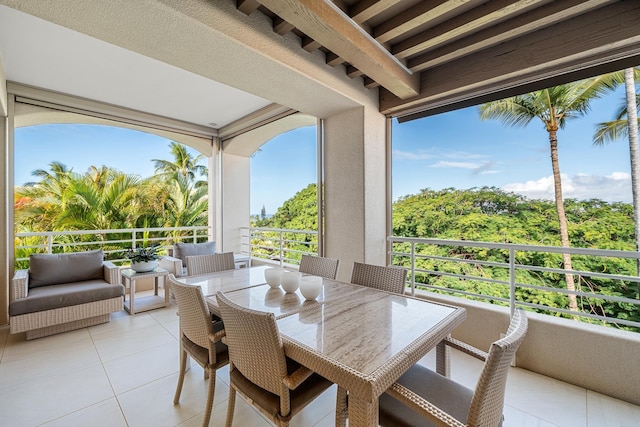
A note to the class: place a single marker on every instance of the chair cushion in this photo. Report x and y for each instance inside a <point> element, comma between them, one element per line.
<point>183,250</point>
<point>444,393</point>
<point>201,354</point>
<point>55,269</point>
<point>270,403</point>
<point>65,295</point>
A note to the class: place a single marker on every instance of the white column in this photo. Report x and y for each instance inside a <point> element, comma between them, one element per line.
<point>355,188</point>
<point>235,201</point>
<point>6,213</point>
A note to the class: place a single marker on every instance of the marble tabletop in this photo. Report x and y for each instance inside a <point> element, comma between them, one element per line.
<point>276,301</point>
<point>364,343</point>
<point>227,280</point>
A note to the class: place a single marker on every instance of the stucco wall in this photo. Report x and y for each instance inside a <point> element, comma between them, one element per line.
<point>595,357</point>
<point>235,201</point>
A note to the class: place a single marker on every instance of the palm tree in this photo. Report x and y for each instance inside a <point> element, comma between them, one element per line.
<point>626,125</point>
<point>39,204</point>
<point>553,107</point>
<point>184,165</point>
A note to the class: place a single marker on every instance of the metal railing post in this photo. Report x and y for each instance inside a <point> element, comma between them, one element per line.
<point>512,281</point>
<point>281,250</point>
<point>413,269</point>
<point>50,243</point>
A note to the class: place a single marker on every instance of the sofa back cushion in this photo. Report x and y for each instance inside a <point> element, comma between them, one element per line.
<point>183,250</point>
<point>55,269</point>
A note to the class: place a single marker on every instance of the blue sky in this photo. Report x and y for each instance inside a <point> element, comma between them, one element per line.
<point>449,150</point>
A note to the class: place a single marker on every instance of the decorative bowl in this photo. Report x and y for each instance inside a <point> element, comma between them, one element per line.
<point>273,276</point>
<point>290,281</point>
<point>310,286</point>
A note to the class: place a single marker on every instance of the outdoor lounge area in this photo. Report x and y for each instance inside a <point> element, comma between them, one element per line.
<point>225,76</point>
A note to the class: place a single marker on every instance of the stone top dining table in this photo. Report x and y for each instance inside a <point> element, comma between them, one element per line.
<point>360,338</point>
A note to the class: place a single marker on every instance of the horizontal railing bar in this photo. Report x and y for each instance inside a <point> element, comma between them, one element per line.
<point>518,247</point>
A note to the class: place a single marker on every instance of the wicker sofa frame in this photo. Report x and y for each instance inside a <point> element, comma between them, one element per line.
<point>57,320</point>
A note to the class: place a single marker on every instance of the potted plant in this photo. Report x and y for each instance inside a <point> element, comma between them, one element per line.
<point>143,259</point>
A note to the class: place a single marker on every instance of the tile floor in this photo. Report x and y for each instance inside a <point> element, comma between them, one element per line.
<point>124,373</point>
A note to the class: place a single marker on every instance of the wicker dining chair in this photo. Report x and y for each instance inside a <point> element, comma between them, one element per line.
<point>390,279</point>
<point>422,397</point>
<point>211,263</point>
<point>200,338</point>
<point>319,266</point>
<point>259,369</point>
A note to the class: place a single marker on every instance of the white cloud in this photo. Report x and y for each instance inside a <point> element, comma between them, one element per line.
<point>435,154</point>
<point>615,187</point>
<point>462,165</point>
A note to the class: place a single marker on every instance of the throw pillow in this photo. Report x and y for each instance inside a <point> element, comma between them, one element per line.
<point>55,269</point>
<point>183,250</point>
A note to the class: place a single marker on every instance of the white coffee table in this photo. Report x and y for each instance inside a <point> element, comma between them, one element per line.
<point>140,304</point>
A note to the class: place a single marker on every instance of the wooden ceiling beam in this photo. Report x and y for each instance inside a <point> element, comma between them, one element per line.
<point>247,6</point>
<point>367,9</point>
<point>333,60</point>
<point>467,23</point>
<point>324,22</point>
<point>534,20</point>
<point>281,27</point>
<point>352,71</point>
<point>414,17</point>
<point>605,35</point>
<point>310,44</point>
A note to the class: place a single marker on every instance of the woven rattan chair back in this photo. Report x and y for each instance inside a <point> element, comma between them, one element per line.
<point>195,319</point>
<point>203,264</point>
<point>319,266</point>
<point>488,398</point>
<point>255,346</point>
<point>390,279</point>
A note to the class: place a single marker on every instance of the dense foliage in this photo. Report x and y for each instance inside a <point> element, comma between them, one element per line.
<point>107,199</point>
<point>492,215</point>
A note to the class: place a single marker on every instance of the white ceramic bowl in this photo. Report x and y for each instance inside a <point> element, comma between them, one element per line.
<point>290,281</point>
<point>310,286</point>
<point>273,276</point>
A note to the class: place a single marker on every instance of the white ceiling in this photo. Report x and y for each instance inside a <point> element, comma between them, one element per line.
<point>53,57</point>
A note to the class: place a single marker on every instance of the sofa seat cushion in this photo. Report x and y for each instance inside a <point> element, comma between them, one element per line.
<point>183,250</point>
<point>53,269</point>
<point>64,295</point>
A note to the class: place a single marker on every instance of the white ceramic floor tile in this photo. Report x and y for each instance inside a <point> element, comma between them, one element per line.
<point>167,314</point>
<point>243,415</point>
<point>152,404</point>
<point>29,361</point>
<point>135,370</point>
<point>104,414</point>
<point>605,411</point>
<point>122,340</point>
<point>51,397</point>
<point>515,418</point>
<point>322,406</point>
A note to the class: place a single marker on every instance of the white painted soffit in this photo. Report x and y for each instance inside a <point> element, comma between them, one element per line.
<point>42,54</point>
<point>249,142</point>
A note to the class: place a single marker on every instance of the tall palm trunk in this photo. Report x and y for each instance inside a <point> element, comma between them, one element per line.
<point>562,217</point>
<point>632,120</point>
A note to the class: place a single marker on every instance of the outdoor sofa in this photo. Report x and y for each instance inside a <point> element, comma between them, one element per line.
<point>62,292</point>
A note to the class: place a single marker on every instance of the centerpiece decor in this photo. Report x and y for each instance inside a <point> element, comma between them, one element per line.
<point>143,259</point>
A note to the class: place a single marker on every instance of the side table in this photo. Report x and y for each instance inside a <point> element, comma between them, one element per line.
<point>145,303</point>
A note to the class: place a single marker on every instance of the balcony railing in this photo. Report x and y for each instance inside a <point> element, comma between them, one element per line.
<point>498,273</point>
<point>279,245</point>
<point>461,268</point>
<point>112,242</point>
